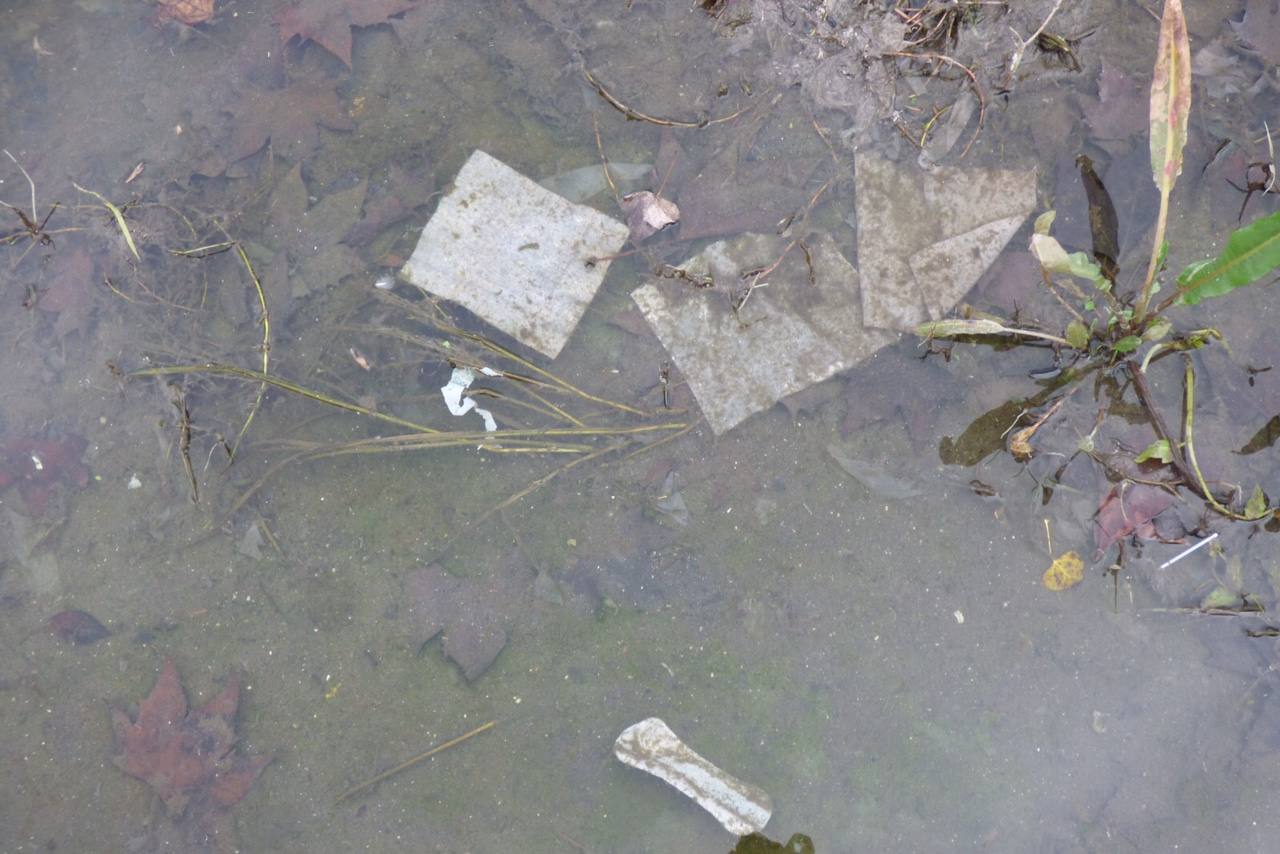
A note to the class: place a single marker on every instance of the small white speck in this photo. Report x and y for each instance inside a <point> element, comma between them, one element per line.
<point>385,283</point>
<point>134,483</point>
<point>35,461</point>
<point>959,615</point>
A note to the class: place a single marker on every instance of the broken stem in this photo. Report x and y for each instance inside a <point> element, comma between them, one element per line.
<point>1189,405</point>
<point>258,376</point>
<point>1153,267</point>
<point>406,765</point>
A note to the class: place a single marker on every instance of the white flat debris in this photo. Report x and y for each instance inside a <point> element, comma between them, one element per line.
<point>651,746</point>
<point>784,338</point>
<point>514,253</point>
<point>924,238</point>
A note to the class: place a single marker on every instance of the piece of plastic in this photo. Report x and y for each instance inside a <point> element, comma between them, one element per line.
<point>651,746</point>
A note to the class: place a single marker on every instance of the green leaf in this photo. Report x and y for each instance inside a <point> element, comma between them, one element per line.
<point>1127,344</point>
<point>1045,221</point>
<point>1257,506</point>
<point>1170,97</point>
<point>1078,335</point>
<point>1251,253</point>
<point>1054,259</point>
<point>1157,450</point>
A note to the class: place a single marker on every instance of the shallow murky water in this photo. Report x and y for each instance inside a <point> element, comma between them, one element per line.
<point>838,600</point>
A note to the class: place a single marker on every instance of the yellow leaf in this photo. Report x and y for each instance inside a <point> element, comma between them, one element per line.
<point>1067,571</point>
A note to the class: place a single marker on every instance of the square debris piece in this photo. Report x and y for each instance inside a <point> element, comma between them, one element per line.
<point>514,253</point>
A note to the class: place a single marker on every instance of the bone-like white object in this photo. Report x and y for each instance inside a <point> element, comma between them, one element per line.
<point>651,746</point>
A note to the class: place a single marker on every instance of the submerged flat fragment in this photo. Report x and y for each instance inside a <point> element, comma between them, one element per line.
<point>514,253</point>
<point>651,746</point>
<point>924,238</point>
<point>799,326</point>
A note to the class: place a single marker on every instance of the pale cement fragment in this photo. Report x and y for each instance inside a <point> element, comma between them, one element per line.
<point>786,337</point>
<point>651,746</point>
<point>514,253</point>
<point>924,238</point>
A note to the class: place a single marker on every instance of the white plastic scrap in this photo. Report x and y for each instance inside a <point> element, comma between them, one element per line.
<point>459,382</point>
<point>651,746</point>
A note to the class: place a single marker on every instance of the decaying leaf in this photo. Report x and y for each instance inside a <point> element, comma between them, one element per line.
<point>1065,572</point>
<point>328,23</point>
<point>464,610</point>
<point>1117,111</point>
<point>1128,509</point>
<point>1260,28</point>
<point>291,118</point>
<point>647,214</point>
<point>189,12</point>
<point>187,756</point>
<point>1170,98</point>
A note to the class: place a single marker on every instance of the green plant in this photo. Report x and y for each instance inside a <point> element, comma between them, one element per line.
<point>1106,328</point>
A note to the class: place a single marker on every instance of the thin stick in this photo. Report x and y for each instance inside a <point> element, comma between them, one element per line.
<point>635,114</point>
<point>29,181</point>
<point>604,161</point>
<point>404,766</point>
<point>266,349</point>
<point>258,376</point>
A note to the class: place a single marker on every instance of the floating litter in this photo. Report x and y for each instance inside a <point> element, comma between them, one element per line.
<point>651,746</point>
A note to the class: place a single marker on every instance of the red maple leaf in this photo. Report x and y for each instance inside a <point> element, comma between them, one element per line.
<point>289,117</point>
<point>328,23</point>
<point>186,757</point>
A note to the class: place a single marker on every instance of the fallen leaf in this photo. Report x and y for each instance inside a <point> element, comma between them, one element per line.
<point>1119,111</point>
<point>328,23</point>
<point>78,627</point>
<point>40,467</point>
<point>291,118</point>
<point>1260,28</point>
<point>189,12</point>
<point>1065,572</point>
<point>1128,509</point>
<point>474,629</point>
<point>187,757</point>
<point>68,292</point>
<point>647,214</point>
<point>312,235</point>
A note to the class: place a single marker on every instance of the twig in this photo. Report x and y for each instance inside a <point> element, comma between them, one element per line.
<point>632,113</point>
<point>266,348</point>
<point>406,765</point>
<point>29,181</point>
<point>1162,431</point>
<point>604,161</point>
<point>258,376</point>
